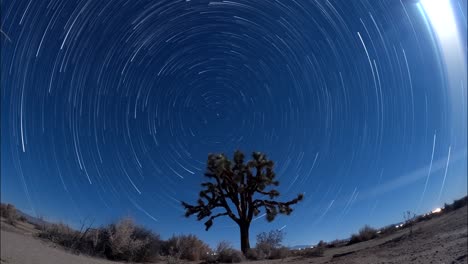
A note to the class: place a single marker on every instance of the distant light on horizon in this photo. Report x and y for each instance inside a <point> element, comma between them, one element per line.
<point>437,210</point>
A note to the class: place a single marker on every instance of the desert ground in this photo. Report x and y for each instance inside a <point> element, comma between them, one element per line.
<point>442,239</point>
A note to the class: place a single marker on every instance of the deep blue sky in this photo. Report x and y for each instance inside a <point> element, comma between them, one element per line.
<point>110,108</point>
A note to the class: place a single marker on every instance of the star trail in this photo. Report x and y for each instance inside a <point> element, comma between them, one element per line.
<point>110,108</point>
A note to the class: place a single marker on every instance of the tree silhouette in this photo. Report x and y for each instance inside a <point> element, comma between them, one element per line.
<point>239,190</point>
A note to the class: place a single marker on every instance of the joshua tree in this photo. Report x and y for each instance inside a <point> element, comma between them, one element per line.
<point>238,190</point>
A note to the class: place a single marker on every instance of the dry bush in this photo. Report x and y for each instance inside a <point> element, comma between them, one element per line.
<point>268,242</point>
<point>188,247</point>
<point>456,204</point>
<point>211,258</point>
<point>390,229</point>
<point>314,252</point>
<point>8,211</point>
<point>225,253</point>
<point>337,243</point>
<point>322,244</point>
<point>317,251</point>
<point>255,254</point>
<point>60,234</point>
<point>223,246</point>
<point>231,256</point>
<point>460,203</point>
<point>79,242</point>
<point>365,233</point>
<point>236,256</point>
<point>129,242</point>
<point>121,241</point>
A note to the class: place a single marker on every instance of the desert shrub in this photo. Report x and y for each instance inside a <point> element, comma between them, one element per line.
<point>60,234</point>
<point>272,238</point>
<point>8,211</point>
<point>390,229</point>
<point>314,252</point>
<point>255,254</point>
<point>223,246</point>
<point>211,258</point>
<point>40,224</point>
<point>355,238</point>
<point>231,256</point>
<point>76,241</point>
<point>236,256</point>
<point>267,242</point>
<point>122,244</point>
<point>365,233</point>
<point>225,253</point>
<point>456,204</point>
<point>188,247</point>
<point>280,253</point>
<point>460,203</point>
<point>121,241</point>
<point>336,243</point>
<point>150,251</point>
<point>129,242</point>
<point>322,244</point>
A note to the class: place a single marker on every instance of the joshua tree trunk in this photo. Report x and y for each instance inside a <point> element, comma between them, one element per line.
<point>244,231</point>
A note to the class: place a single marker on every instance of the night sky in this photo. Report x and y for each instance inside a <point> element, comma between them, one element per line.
<point>110,108</point>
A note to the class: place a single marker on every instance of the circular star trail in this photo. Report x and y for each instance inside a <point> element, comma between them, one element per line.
<point>111,107</point>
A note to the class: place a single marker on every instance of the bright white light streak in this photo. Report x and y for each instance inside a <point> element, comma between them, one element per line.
<point>442,18</point>
<point>441,15</point>
<point>256,218</point>
<point>445,174</point>
<point>21,120</point>
<point>429,173</point>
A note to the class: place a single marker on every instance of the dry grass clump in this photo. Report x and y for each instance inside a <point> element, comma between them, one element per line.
<point>365,233</point>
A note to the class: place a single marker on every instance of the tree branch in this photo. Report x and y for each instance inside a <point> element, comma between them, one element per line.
<point>209,223</point>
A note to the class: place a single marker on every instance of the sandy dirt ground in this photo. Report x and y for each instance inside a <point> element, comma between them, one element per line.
<point>443,239</point>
